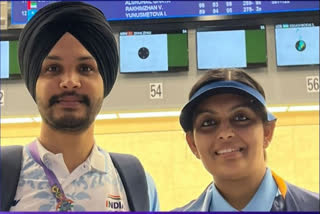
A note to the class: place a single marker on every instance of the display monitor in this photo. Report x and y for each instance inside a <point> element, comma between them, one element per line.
<point>297,44</point>
<point>9,60</point>
<point>153,51</point>
<point>22,11</point>
<point>4,55</point>
<point>231,47</point>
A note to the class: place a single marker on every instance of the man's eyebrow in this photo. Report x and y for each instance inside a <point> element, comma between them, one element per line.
<point>53,57</point>
<point>83,58</point>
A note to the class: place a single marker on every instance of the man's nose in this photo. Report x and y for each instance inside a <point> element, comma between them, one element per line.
<point>70,80</point>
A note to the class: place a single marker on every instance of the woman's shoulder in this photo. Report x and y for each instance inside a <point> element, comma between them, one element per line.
<point>302,199</point>
<point>202,203</point>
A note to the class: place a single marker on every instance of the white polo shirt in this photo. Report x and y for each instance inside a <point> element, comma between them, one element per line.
<point>94,185</point>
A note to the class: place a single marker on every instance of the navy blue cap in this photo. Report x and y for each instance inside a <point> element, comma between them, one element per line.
<point>214,88</point>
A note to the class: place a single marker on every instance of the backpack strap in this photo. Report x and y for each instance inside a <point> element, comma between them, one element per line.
<point>11,157</point>
<point>134,180</point>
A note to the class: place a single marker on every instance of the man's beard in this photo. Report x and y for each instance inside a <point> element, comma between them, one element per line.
<point>69,122</point>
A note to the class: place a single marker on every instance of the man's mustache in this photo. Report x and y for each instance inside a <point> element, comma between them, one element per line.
<point>82,98</point>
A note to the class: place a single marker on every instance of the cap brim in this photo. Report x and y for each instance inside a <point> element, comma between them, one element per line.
<point>215,88</point>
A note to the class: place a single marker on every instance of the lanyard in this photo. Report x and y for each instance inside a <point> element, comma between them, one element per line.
<point>63,203</point>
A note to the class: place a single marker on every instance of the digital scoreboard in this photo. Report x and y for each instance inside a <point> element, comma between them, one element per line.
<point>22,11</point>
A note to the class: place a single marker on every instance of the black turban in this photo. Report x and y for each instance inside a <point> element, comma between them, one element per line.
<point>49,24</point>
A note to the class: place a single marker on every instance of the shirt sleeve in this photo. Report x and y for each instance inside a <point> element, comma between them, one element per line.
<point>153,195</point>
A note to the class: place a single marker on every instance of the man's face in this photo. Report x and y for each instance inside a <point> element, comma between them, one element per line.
<point>69,90</point>
<point>229,137</point>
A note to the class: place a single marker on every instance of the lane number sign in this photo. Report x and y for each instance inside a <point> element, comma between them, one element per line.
<point>312,84</point>
<point>156,91</point>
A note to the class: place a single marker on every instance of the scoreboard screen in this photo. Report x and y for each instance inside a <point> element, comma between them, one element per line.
<point>22,11</point>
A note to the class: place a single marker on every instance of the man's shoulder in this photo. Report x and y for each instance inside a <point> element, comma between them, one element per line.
<point>11,153</point>
<point>10,170</point>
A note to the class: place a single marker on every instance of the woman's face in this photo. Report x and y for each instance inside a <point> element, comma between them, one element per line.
<point>229,137</point>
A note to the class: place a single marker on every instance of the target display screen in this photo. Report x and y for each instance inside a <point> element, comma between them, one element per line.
<point>231,47</point>
<point>153,51</point>
<point>9,60</point>
<point>297,44</point>
<point>4,54</point>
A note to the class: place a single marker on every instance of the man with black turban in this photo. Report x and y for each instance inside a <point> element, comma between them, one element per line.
<point>69,60</point>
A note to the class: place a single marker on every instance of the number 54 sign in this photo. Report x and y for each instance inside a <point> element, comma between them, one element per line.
<point>312,84</point>
<point>156,91</point>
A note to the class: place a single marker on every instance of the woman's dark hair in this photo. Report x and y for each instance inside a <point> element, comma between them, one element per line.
<point>224,75</point>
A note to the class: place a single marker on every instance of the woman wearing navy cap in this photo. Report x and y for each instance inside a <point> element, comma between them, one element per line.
<point>228,128</point>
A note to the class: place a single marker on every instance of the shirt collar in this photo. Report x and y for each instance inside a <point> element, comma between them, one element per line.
<point>96,158</point>
<point>261,201</point>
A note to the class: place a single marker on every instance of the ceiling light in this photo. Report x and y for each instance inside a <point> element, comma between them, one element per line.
<point>150,114</point>
<point>106,116</point>
<point>304,108</point>
<point>16,120</point>
<point>278,109</point>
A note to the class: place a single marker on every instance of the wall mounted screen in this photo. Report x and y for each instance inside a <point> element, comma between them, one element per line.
<point>4,62</point>
<point>9,60</point>
<point>297,44</point>
<point>229,47</point>
<point>22,11</point>
<point>153,51</point>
